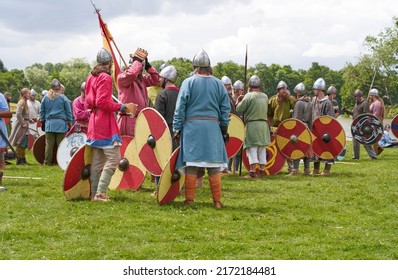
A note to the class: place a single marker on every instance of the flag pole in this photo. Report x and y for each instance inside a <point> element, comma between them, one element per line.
<point>110,39</point>
<point>243,117</point>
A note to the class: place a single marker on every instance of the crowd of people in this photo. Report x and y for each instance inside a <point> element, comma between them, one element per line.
<point>197,115</point>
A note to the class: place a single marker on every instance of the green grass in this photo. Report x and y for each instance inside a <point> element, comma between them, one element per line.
<point>350,214</point>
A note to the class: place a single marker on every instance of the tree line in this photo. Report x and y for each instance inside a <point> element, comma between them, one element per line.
<point>376,68</point>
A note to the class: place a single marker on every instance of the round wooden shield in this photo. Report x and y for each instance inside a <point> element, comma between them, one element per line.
<point>31,141</point>
<point>236,131</point>
<point>77,174</point>
<point>328,137</point>
<point>275,160</point>
<point>293,139</point>
<point>170,181</point>
<point>153,140</point>
<point>131,172</point>
<point>394,126</point>
<point>367,129</point>
<point>39,149</point>
<point>68,146</point>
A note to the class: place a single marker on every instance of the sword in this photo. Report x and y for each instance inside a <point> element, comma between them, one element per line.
<point>7,142</point>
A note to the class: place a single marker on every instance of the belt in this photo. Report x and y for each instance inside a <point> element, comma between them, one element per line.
<point>201,118</point>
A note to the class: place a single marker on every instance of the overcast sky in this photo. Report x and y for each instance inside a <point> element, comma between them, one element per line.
<point>286,32</point>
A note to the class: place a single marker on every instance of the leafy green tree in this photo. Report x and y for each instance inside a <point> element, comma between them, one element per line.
<point>38,78</point>
<point>74,72</point>
<point>13,81</point>
<point>2,67</point>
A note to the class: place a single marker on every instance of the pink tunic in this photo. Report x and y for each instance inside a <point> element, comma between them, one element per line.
<point>102,127</point>
<point>132,89</point>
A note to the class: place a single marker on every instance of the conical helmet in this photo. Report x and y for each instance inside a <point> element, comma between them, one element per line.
<point>300,89</point>
<point>238,85</point>
<point>103,56</point>
<point>374,92</point>
<point>319,84</point>
<point>226,80</point>
<point>169,73</point>
<point>254,81</point>
<point>201,59</point>
<point>331,90</point>
<point>82,86</point>
<point>55,85</point>
<point>163,66</point>
<point>33,92</point>
<point>280,85</point>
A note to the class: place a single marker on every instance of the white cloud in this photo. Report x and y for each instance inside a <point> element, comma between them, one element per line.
<point>345,49</point>
<point>285,32</point>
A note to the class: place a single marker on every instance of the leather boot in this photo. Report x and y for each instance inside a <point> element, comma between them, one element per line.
<point>215,187</point>
<point>190,185</point>
<point>1,177</point>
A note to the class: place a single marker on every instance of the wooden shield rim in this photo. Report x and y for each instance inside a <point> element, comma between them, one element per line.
<point>394,126</point>
<point>301,148</point>
<point>82,188</point>
<point>325,152</point>
<point>166,189</point>
<point>236,131</point>
<point>60,157</point>
<point>162,152</point>
<point>39,148</point>
<point>361,139</point>
<point>277,158</point>
<point>128,148</point>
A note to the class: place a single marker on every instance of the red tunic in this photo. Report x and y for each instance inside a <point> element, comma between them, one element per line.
<point>132,89</point>
<point>102,127</point>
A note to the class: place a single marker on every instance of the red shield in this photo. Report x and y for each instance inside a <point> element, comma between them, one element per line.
<point>293,139</point>
<point>39,148</point>
<point>31,141</point>
<point>76,179</point>
<point>328,137</point>
<point>275,160</point>
<point>153,140</point>
<point>170,181</point>
<point>131,172</point>
<point>367,129</point>
<point>236,131</point>
<point>394,126</point>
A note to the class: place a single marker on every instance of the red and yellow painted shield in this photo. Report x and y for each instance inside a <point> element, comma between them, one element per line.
<point>394,126</point>
<point>153,140</point>
<point>293,139</point>
<point>328,137</point>
<point>77,174</point>
<point>275,160</point>
<point>236,131</point>
<point>131,172</point>
<point>170,181</point>
<point>367,129</point>
<point>39,148</point>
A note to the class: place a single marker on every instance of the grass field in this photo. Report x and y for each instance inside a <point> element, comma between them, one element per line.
<point>349,215</point>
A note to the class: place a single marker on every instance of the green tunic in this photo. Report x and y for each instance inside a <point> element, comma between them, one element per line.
<point>280,111</point>
<point>254,107</point>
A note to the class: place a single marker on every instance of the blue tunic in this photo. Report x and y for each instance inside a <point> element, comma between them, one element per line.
<point>3,107</point>
<point>57,113</point>
<point>202,107</point>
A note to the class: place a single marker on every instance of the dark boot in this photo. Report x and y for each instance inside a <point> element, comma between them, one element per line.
<point>24,160</point>
<point>1,177</point>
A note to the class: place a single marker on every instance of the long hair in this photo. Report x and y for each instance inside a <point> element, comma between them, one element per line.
<point>207,71</point>
<point>100,68</point>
